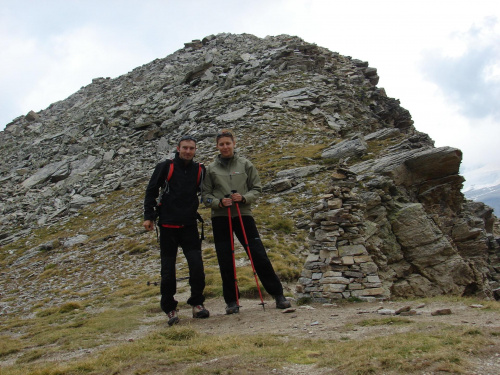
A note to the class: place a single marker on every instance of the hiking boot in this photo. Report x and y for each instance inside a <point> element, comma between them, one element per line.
<point>173,318</point>
<point>200,312</point>
<point>282,302</point>
<point>232,308</point>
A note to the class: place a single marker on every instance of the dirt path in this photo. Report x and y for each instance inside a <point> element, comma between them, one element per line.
<point>319,321</point>
<point>335,322</point>
<point>329,321</point>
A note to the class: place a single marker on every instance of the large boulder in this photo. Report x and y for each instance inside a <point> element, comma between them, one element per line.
<point>352,147</point>
<point>430,252</point>
<point>415,166</point>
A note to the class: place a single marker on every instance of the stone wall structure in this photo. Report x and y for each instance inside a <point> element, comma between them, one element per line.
<point>339,265</point>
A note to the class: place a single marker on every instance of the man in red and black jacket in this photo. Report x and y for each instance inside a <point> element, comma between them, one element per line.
<point>178,182</point>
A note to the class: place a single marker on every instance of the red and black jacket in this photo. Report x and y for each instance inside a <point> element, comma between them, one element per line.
<point>179,203</point>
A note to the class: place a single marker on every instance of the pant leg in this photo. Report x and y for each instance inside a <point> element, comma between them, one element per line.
<point>168,253</point>
<point>191,246</point>
<point>261,261</point>
<point>222,239</point>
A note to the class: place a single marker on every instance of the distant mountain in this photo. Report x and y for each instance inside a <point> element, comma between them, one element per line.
<point>488,195</point>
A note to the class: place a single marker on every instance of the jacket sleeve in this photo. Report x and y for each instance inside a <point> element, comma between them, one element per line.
<point>253,183</point>
<point>207,190</point>
<point>153,189</point>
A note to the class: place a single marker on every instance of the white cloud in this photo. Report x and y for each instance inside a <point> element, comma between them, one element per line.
<point>468,78</point>
<point>51,69</point>
<point>73,59</point>
<point>18,55</point>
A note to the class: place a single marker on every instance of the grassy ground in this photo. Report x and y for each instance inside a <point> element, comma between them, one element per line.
<point>130,336</point>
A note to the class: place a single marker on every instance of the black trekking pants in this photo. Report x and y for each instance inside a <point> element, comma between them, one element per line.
<point>188,239</point>
<point>263,266</point>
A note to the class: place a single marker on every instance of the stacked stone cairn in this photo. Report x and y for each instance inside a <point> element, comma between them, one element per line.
<point>338,265</point>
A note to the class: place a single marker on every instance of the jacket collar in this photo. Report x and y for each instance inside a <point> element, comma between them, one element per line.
<point>226,161</point>
<point>181,162</point>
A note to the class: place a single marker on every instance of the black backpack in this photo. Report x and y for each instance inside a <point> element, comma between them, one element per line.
<point>164,190</point>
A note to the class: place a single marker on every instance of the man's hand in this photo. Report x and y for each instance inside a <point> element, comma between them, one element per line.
<point>149,225</point>
<point>237,197</point>
<point>226,202</point>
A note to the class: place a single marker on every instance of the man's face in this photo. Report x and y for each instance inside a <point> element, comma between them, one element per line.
<point>187,150</point>
<point>225,145</point>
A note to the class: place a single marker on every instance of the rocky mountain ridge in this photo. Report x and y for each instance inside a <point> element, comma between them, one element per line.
<point>390,220</point>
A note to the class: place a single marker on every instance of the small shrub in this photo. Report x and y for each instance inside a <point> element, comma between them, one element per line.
<point>135,248</point>
<point>179,334</point>
<point>9,346</point>
<point>283,224</point>
<point>30,356</point>
<point>474,332</point>
<point>47,312</point>
<point>303,301</point>
<point>70,306</point>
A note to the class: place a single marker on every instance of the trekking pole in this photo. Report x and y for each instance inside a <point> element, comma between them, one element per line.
<point>249,253</point>
<point>232,252</point>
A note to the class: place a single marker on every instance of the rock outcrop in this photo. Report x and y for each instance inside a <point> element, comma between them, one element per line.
<point>391,220</point>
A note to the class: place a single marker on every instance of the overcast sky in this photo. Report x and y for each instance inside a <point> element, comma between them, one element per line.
<point>440,58</point>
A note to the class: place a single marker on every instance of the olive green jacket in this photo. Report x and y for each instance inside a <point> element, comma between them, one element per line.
<point>221,179</point>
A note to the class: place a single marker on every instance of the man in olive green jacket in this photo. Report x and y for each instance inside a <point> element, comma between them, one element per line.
<point>231,180</point>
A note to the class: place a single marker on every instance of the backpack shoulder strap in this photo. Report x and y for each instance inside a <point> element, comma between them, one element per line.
<point>165,187</point>
<point>170,170</point>
<point>200,174</point>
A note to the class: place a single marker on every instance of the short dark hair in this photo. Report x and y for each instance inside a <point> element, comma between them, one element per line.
<point>187,138</point>
<point>224,133</point>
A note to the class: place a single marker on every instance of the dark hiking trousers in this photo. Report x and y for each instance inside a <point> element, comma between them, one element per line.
<point>263,266</point>
<point>188,239</point>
